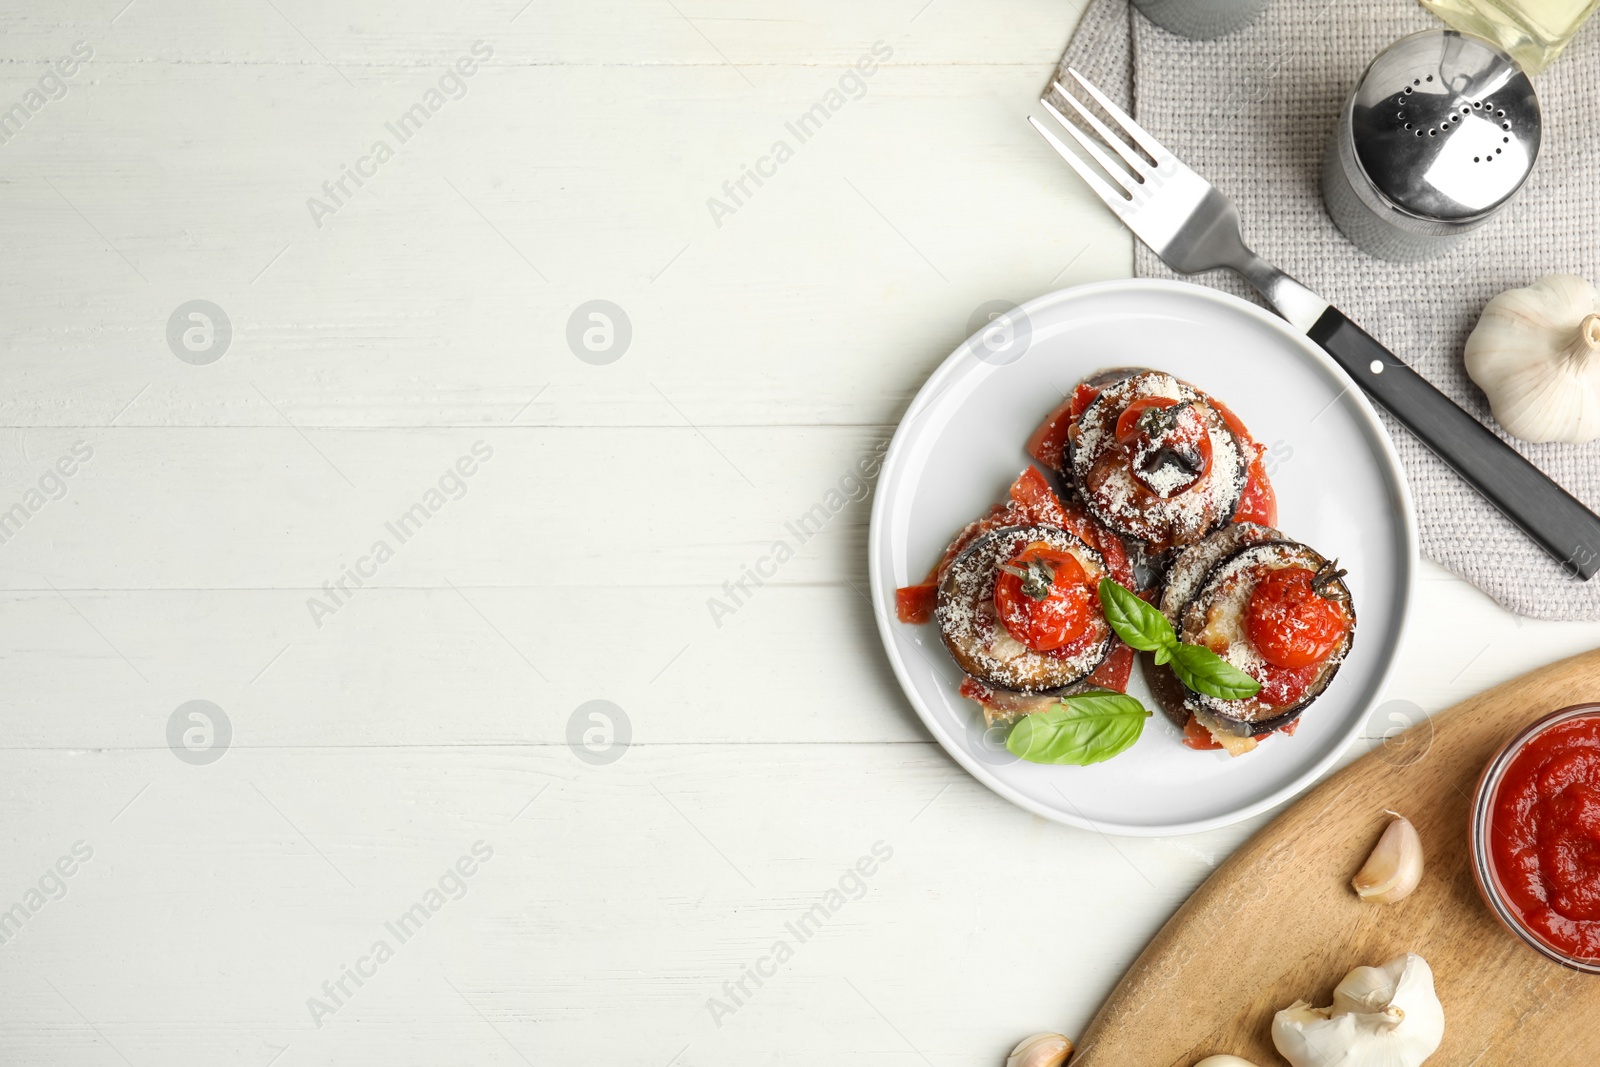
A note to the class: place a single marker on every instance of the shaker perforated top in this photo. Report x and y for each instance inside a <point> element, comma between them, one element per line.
<point>1446,125</point>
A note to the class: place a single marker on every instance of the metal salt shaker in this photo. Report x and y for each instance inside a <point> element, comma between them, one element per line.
<point>1439,135</point>
<point>1200,19</point>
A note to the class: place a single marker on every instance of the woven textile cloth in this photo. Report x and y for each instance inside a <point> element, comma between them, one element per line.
<point>1253,112</point>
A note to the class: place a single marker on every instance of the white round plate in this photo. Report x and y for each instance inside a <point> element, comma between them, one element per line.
<point>1340,490</point>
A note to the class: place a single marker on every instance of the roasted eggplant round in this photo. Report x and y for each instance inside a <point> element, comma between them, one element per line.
<point>1215,615</point>
<point>980,644</point>
<point>1191,566</point>
<point>1187,570</point>
<point>1154,460</point>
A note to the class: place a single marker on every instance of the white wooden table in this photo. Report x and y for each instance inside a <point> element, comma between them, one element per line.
<point>372,737</point>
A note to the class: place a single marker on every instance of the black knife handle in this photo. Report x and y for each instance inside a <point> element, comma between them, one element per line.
<point>1549,514</point>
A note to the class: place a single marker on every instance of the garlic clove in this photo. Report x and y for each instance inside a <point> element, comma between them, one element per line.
<point>1224,1061</point>
<point>1394,868</point>
<point>1040,1050</point>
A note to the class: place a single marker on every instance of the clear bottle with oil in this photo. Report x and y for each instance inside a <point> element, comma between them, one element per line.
<point>1534,31</point>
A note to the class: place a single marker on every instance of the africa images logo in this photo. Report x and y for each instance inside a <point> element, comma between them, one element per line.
<point>452,85</point>
<point>52,485</point>
<point>851,85</point>
<point>451,486</point>
<point>854,486</point>
<point>851,885</point>
<point>199,732</point>
<point>52,85</point>
<point>452,885</point>
<point>199,332</point>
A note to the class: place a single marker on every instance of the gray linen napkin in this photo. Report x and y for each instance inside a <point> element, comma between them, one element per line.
<point>1252,112</point>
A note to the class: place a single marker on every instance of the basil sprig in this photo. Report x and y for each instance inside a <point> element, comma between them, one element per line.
<point>1087,728</point>
<point>1143,627</point>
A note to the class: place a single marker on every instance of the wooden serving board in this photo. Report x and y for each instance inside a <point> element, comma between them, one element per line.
<point>1278,920</point>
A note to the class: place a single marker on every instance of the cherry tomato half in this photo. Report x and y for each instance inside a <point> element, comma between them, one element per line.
<point>1282,686</point>
<point>1291,624</point>
<point>1057,618</point>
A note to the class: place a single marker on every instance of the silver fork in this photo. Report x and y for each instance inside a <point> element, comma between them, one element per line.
<point>1193,228</point>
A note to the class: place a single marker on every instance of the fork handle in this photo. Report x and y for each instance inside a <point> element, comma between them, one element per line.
<point>1547,513</point>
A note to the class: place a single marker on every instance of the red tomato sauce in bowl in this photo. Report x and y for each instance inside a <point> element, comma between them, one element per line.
<point>1536,836</point>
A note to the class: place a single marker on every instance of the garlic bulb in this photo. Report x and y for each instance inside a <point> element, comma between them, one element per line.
<point>1394,869</point>
<point>1040,1050</point>
<point>1535,353</point>
<point>1385,1016</point>
<point>1224,1061</point>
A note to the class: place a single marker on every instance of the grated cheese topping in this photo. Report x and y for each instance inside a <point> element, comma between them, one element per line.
<point>980,643</point>
<point>1117,497</point>
<point>1192,565</point>
<point>1216,616</point>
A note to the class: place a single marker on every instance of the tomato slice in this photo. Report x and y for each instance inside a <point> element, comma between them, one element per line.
<point>1032,492</point>
<point>1055,619</point>
<point>1233,421</point>
<point>1115,554</point>
<point>1048,443</point>
<point>1082,397</point>
<point>1258,503</point>
<point>1290,623</point>
<point>1198,737</point>
<point>915,603</point>
<point>1115,669</point>
<point>973,689</point>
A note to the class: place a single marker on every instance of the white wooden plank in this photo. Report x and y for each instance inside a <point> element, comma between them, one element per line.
<point>280,507</point>
<point>616,33</point>
<point>423,667</point>
<point>218,902</point>
<point>420,301</point>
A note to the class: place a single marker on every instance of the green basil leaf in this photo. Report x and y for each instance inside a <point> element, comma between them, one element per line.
<point>1084,729</point>
<point>1204,671</point>
<point>1137,623</point>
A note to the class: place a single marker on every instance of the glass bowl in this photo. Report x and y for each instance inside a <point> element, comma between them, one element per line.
<point>1483,871</point>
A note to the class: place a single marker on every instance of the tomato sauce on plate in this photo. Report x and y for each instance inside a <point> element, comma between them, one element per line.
<point>1544,832</point>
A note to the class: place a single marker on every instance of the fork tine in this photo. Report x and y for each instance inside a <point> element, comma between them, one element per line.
<point>1136,131</point>
<point>1134,159</point>
<point>1107,164</point>
<point>1114,200</point>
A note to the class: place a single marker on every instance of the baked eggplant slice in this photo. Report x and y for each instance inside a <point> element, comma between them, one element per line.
<point>1216,615</point>
<point>1188,569</point>
<point>1154,460</point>
<point>1191,566</point>
<point>978,641</point>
